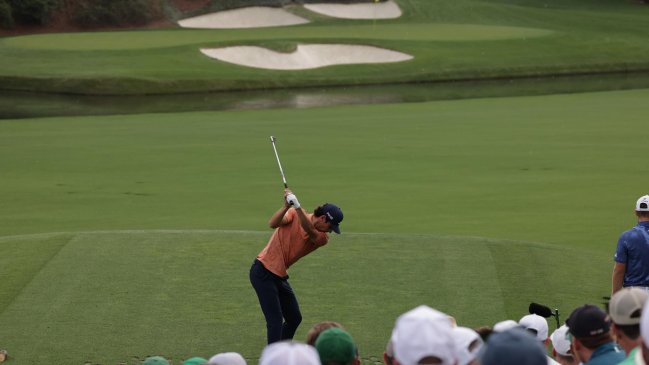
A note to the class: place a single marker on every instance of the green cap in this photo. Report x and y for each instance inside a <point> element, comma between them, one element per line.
<point>335,345</point>
<point>155,360</point>
<point>195,361</point>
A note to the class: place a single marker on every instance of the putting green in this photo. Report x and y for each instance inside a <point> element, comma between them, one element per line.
<point>179,37</point>
<point>114,297</point>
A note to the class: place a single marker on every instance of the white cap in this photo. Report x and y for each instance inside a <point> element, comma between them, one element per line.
<point>642,205</point>
<point>626,304</point>
<point>537,324</point>
<point>463,338</point>
<point>227,358</point>
<point>644,324</point>
<point>505,325</point>
<point>560,342</point>
<point>289,353</point>
<point>423,332</point>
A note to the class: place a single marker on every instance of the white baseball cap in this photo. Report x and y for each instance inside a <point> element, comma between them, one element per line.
<point>464,337</point>
<point>423,332</point>
<point>289,353</point>
<point>505,325</point>
<point>536,324</point>
<point>227,358</point>
<point>625,306</point>
<point>642,205</point>
<point>560,342</point>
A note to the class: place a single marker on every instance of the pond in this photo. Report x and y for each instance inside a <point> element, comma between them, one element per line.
<point>15,105</point>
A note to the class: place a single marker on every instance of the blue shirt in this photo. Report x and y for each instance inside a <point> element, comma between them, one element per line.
<point>607,354</point>
<point>633,251</point>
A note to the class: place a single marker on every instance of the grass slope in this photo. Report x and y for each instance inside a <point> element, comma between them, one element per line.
<point>464,39</point>
<point>120,296</point>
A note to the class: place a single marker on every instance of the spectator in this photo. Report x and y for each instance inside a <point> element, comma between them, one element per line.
<point>538,326</point>
<point>195,361</point>
<point>512,347</point>
<point>484,332</point>
<point>561,347</point>
<point>505,325</point>
<point>155,360</point>
<point>642,356</point>
<point>632,253</point>
<point>227,358</point>
<point>592,342</point>
<point>467,344</point>
<point>423,336</point>
<point>318,328</point>
<point>336,347</point>
<point>388,355</point>
<point>289,353</point>
<point>625,310</point>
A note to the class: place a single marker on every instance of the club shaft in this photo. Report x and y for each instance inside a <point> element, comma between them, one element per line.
<point>281,170</point>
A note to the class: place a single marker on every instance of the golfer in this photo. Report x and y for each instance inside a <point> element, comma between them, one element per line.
<point>632,255</point>
<point>296,235</point>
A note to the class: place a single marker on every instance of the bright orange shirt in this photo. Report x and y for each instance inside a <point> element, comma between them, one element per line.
<point>289,243</point>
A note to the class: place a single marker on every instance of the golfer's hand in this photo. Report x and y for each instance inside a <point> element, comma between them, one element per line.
<point>291,199</point>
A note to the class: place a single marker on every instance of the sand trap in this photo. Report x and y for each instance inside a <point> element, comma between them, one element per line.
<point>306,56</point>
<point>380,10</point>
<point>250,17</point>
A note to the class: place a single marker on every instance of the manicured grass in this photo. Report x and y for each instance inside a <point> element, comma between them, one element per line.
<point>464,39</point>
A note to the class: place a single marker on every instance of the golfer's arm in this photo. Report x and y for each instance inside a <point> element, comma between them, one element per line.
<point>278,217</point>
<point>307,225</point>
<point>618,277</point>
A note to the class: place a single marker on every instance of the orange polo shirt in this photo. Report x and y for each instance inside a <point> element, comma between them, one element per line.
<point>289,243</point>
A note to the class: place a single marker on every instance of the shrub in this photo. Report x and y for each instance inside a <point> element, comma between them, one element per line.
<point>94,13</point>
<point>32,11</point>
<point>6,19</point>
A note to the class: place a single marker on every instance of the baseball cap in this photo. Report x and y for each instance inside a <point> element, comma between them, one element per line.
<point>463,337</point>
<point>423,332</point>
<point>512,347</point>
<point>644,324</point>
<point>535,324</point>
<point>642,205</point>
<point>155,360</point>
<point>560,341</point>
<point>626,305</point>
<point>335,345</point>
<point>289,353</point>
<point>587,321</point>
<point>227,358</point>
<point>195,361</point>
<point>505,325</point>
<point>334,216</point>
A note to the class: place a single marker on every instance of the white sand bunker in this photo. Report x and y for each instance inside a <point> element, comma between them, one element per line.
<point>376,10</point>
<point>250,17</point>
<point>306,56</point>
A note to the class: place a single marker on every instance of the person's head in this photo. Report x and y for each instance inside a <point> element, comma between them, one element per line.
<point>589,328</point>
<point>327,218</point>
<point>484,332</point>
<point>642,207</point>
<point>155,360</point>
<point>561,350</point>
<point>227,358</point>
<point>289,353</point>
<point>336,347</point>
<point>195,361</point>
<point>318,328</point>
<point>506,325</point>
<point>625,311</point>
<point>467,344</point>
<point>423,336</point>
<point>537,326</point>
<point>515,346</point>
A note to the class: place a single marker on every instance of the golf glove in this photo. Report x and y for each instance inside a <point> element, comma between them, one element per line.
<point>292,200</point>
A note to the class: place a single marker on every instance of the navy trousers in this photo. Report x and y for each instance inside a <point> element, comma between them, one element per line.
<point>277,301</point>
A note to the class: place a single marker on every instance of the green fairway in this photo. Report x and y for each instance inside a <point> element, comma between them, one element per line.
<point>465,39</point>
<point>127,236</point>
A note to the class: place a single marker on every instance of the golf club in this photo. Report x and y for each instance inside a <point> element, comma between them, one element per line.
<point>272,140</point>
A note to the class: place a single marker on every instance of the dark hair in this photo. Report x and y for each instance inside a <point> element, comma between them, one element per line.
<point>318,211</point>
<point>484,332</point>
<point>631,331</point>
<point>642,213</point>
